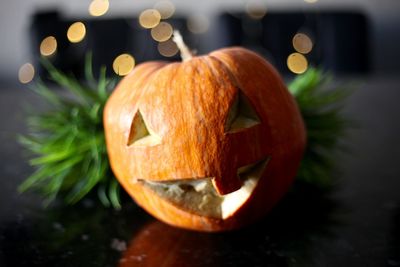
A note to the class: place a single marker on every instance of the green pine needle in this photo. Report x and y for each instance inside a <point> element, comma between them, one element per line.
<point>320,107</point>
<point>67,141</point>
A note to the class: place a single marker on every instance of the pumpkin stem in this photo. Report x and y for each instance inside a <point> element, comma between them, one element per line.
<point>186,54</point>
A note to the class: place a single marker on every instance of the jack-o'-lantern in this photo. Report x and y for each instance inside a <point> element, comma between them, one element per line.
<point>210,143</point>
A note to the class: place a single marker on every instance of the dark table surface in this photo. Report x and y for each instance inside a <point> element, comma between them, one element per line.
<point>355,224</point>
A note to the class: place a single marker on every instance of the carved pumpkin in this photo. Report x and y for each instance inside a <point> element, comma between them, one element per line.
<point>210,144</point>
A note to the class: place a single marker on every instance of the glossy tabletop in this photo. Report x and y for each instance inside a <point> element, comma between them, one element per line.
<point>357,223</point>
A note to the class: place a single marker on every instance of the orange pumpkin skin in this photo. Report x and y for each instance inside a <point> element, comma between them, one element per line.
<point>186,105</point>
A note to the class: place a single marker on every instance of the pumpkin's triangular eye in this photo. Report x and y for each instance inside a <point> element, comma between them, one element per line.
<point>140,135</point>
<point>241,115</point>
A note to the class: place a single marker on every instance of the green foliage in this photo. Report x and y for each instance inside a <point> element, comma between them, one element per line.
<point>67,141</point>
<point>321,108</point>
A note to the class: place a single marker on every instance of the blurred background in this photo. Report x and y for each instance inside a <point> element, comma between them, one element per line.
<point>347,37</point>
<point>356,224</point>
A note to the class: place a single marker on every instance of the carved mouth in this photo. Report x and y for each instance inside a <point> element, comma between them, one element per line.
<point>200,197</point>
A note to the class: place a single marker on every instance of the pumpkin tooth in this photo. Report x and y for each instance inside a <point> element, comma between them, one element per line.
<point>250,175</point>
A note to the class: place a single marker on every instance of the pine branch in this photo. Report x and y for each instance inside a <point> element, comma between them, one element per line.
<point>67,141</point>
<point>321,108</point>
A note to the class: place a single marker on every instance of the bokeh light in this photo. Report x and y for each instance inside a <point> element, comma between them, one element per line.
<point>297,63</point>
<point>48,46</point>
<point>162,32</point>
<point>149,18</point>
<point>98,7</point>
<point>123,64</point>
<point>166,9</point>
<point>198,24</point>
<point>76,32</point>
<point>168,48</point>
<point>311,1</point>
<point>302,43</point>
<point>26,73</point>
<point>256,9</point>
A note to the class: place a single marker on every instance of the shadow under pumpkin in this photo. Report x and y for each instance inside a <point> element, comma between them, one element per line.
<point>84,233</point>
<point>282,238</point>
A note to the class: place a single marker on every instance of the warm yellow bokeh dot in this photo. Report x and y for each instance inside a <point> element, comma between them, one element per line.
<point>198,24</point>
<point>297,63</point>
<point>123,64</point>
<point>311,1</point>
<point>149,18</point>
<point>166,9</point>
<point>26,73</point>
<point>98,7</point>
<point>256,9</point>
<point>76,32</point>
<point>302,43</point>
<point>168,48</point>
<point>48,46</point>
<point>162,32</point>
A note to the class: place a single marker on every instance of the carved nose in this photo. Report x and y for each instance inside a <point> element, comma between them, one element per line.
<point>227,184</point>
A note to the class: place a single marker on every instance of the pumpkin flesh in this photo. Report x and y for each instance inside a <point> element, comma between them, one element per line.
<point>199,196</point>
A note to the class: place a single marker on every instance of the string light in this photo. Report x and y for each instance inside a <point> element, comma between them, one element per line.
<point>256,9</point>
<point>26,73</point>
<point>198,24</point>
<point>76,32</point>
<point>149,18</point>
<point>98,7</point>
<point>123,64</point>
<point>166,9</point>
<point>168,48</point>
<point>297,63</point>
<point>302,43</point>
<point>48,46</point>
<point>162,32</point>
